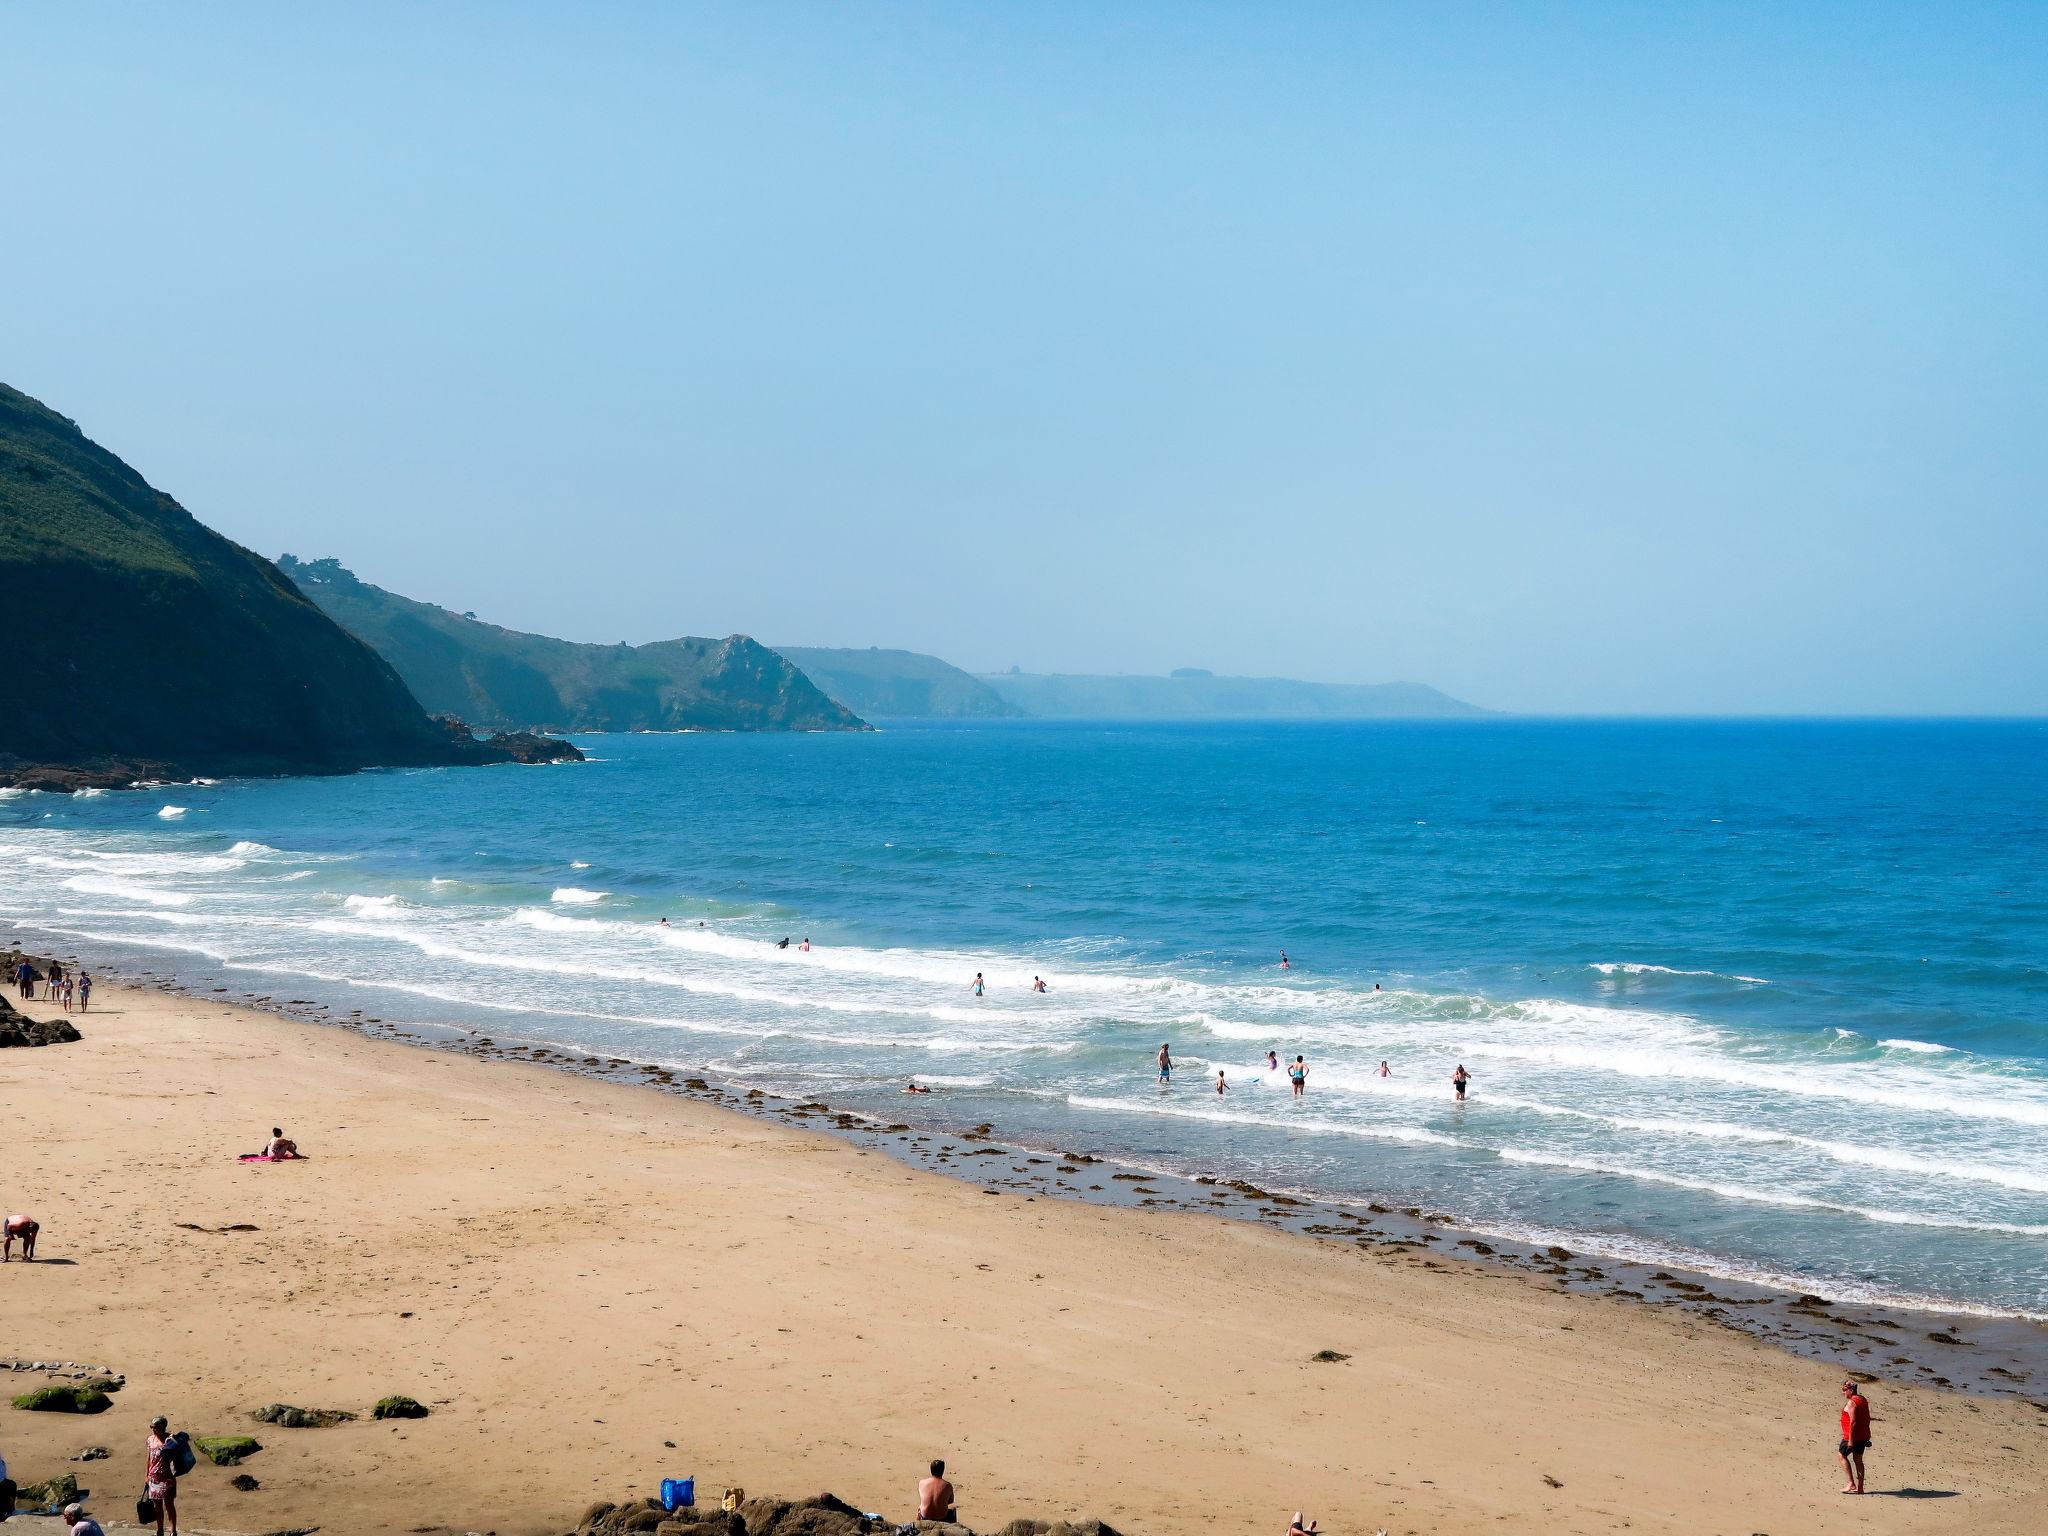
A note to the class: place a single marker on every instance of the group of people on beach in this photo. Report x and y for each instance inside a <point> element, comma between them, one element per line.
<point>67,991</point>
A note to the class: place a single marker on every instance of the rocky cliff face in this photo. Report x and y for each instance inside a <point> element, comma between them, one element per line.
<point>508,679</point>
<point>140,643</point>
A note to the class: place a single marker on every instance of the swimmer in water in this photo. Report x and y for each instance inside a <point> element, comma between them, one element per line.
<point>1298,1075</point>
<point>664,922</point>
<point>1385,1070</point>
<point>1221,1086</point>
<point>806,946</point>
<point>785,942</point>
<point>1283,960</point>
<point>978,984</point>
<point>1272,1061</point>
<point>1165,1064</point>
<point>913,1088</point>
<point>1459,1079</point>
<point>1038,983</point>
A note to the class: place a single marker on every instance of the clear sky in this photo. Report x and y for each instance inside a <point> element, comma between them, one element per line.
<point>1568,357</point>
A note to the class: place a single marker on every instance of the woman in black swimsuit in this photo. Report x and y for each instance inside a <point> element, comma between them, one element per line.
<point>1458,1080</point>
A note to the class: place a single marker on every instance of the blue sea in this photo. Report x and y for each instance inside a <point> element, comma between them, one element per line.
<point>1764,999</point>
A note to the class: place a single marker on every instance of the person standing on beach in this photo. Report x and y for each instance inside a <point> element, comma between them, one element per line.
<point>1855,1436</point>
<point>25,1228</point>
<point>1298,1075</point>
<point>1459,1079</point>
<point>159,1477</point>
<point>25,979</point>
<point>1165,1063</point>
<point>935,1496</point>
<point>84,990</point>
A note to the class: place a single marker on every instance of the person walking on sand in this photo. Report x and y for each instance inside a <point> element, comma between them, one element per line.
<point>84,990</point>
<point>1459,1079</point>
<point>1165,1063</point>
<point>25,1228</point>
<point>935,1496</point>
<point>25,978</point>
<point>1297,1074</point>
<point>159,1477</point>
<point>1855,1436</point>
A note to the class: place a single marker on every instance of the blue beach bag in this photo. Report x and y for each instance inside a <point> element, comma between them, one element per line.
<point>678,1493</point>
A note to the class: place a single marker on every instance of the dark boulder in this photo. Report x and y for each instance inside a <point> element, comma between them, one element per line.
<point>17,1029</point>
<point>288,1417</point>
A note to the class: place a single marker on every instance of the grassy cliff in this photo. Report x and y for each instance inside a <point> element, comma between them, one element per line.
<point>139,641</point>
<point>509,679</point>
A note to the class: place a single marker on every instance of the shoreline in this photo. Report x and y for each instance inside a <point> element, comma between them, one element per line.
<point>2002,1355</point>
<point>579,1278</point>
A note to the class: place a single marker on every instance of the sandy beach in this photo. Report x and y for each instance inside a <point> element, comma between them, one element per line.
<point>574,1273</point>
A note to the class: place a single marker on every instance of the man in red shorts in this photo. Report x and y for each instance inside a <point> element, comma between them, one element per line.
<point>1855,1435</point>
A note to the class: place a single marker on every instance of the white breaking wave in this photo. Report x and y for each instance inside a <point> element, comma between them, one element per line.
<point>87,794</point>
<point>576,896</point>
<point>171,812</point>
<point>104,885</point>
<point>374,906</point>
<point>1917,1047</point>
<point>1637,968</point>
<point>249,850</point>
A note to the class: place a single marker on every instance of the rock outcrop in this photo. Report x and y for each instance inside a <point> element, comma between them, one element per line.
<point>143,645</point>
<point>819,1515</point>
<point>17,1029</point>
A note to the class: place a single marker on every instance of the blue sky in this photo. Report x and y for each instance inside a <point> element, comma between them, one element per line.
<point>1570,358</point>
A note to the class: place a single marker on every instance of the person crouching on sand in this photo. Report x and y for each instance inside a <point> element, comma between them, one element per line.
<point>1855,1436</point>
<point>25,1228</point>
<point>935,1496</point>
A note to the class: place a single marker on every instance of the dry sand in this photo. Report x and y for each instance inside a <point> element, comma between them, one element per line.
<point>574,1272</point>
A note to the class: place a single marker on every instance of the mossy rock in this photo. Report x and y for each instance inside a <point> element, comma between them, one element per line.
<point>225,1450</point>
<point>55,1494</point>
<point>85,1399</point>
<point>1329,1357</point>
<point>398,1408</point>
<point>288,1417</point>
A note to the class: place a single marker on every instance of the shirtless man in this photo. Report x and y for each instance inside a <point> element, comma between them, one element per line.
<point>1165,1064</point>
<point>935,1496</point>
<point>281,1147</point>
<point>25,1228</point>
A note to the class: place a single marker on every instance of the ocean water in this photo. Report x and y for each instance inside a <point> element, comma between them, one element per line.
<point>1767,999</point>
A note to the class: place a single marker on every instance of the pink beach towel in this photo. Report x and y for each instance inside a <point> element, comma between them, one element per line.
<point>258,1157</point>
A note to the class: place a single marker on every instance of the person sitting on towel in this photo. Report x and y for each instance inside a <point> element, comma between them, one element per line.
<point>281,1147</point>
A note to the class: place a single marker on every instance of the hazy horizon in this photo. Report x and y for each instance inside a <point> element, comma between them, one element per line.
<point>1569,361</point>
